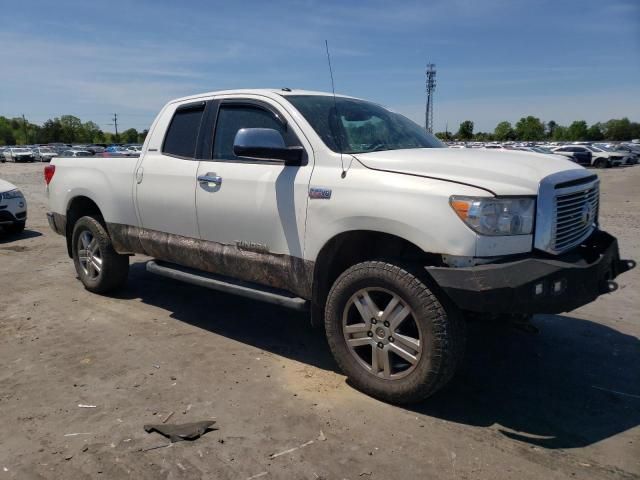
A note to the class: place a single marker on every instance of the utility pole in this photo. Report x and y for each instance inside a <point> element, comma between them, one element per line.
<point>115,123</point>
<point>24,129</point>
<point>431,86</point>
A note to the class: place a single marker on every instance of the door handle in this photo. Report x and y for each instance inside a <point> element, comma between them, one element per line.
<point>210,178</point>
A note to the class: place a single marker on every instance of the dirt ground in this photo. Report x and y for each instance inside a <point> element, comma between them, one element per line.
<point>561,404</point>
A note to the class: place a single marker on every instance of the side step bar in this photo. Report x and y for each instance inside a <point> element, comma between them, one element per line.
<point>227,285</point>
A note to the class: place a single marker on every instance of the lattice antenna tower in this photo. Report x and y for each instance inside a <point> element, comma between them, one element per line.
<point>431,87</point>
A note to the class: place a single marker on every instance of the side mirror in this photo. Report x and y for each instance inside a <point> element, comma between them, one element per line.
<point>266,144</point>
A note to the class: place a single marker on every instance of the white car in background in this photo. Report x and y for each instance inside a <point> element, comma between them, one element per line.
<point>18,154</point>
<point>13,208</point>
<point>613,158</point>
<point>77,153</point>
<point>44,154</point>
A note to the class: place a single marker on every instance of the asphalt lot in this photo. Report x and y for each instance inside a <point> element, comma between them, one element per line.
<point>561,404</point>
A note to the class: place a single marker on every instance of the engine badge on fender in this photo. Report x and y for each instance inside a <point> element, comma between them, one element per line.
<point>321,193</point>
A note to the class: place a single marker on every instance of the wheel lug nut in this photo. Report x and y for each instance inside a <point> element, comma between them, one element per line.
<point>370,334</point>
<point>386,324</point>
<point>374,321</point>
<point>380,345</point>
<point>391,339</point>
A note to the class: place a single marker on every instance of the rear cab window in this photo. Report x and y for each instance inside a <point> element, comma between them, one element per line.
<point>182,135</point>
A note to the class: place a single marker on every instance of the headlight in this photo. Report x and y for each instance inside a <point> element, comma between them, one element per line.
<point>496,216</point>
<point>12,194</point>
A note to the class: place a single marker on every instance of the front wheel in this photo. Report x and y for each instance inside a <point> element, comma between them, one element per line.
<point>100,268</point>
<point>600,163</point>
<point>389,333</point>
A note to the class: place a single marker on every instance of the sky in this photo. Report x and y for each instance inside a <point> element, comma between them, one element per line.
<point>496,59</point>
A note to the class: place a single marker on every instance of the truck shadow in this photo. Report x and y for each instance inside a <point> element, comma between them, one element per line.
<point>268,327</point>
<point>552,390</point>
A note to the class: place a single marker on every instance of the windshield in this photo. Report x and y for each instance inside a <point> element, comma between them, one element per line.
<point>360,126</point>
<point>20,150</point>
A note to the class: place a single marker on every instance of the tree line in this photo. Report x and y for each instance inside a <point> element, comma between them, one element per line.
<point>533,129</point>
<point>64,129</point>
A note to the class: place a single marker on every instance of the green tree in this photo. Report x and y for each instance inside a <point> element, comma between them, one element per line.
<point>130,135</point>
<point>594,132</point>
<point>71,128</point>
<point>465,132</point>
<point>577,130</point>
<point>560,133</point>
<point>91,133</point>
<point>618,129</point>
<point>51,131</point>
<point>529,128</point>
<point>551,128</point>
<point>6,132</point>
<point>484,137</point>
<point>142,135</point>
<point>504,131</point>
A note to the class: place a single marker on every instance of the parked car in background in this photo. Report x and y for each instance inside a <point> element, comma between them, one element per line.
<point>44,154</point>
<point>578,154</point>
<point>134,149</point>
<point>76,153</point>
<point>117,151</point>
<point>13,208</point>
<point>602,154</point>
<point>631,156</point>
<point>95,149</point>
<point>19,154</point>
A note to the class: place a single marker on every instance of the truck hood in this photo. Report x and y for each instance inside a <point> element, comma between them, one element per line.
<point>501,172</point>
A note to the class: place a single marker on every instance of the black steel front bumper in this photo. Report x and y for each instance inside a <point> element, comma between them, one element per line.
<point>539,284</point>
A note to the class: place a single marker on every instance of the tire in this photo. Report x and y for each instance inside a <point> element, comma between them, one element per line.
<point>15,228</point>
<point>100,268</point>
<point>419,372</point>
<point>600,163</point>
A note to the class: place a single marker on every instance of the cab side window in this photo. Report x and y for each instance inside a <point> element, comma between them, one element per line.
<point>232,118</point>
<point>182,134</point>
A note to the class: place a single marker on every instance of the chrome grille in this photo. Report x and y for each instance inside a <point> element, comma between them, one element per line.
<point>575,216</point>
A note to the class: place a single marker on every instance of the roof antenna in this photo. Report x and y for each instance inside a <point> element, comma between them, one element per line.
<point>335,106</point>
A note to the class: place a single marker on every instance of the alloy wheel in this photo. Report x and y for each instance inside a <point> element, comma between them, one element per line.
<point>382,334</point>
<point>89,255</point>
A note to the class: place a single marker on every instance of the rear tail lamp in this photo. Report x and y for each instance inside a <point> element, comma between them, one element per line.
<point>49,170</point>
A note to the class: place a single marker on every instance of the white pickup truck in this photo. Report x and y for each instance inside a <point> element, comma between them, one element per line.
<point>347,209</point>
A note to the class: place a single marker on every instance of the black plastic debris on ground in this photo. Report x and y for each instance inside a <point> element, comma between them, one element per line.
<point>185,431</point>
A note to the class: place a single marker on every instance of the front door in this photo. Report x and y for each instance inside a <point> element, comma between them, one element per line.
<point>253,212</point>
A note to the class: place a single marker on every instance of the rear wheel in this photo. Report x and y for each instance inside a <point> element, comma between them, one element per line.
<point>390,334</point>
<point>100,268</point>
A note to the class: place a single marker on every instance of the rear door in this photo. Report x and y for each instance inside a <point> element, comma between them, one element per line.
<point>582,154</point>
<point>166,177</point>
<point>258,208</point>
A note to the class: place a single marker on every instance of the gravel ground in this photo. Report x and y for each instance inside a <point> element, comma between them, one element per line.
<point>561,404</point>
